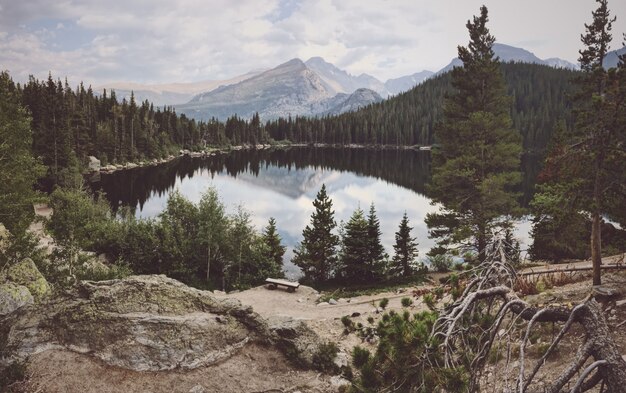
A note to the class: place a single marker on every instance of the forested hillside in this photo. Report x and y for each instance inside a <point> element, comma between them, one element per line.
<point>69,125</point>
<point>540,99</point>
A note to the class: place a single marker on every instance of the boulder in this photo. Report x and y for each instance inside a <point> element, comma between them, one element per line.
<point>26,273</point>
<point>4,238</point>
<point>141,323</point>
<point>94,164</point>
<point>13,297</point>
<point>295,339</point>
<point>332,302</point>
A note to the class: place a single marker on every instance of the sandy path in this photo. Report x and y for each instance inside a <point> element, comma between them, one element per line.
<point>302,304</point>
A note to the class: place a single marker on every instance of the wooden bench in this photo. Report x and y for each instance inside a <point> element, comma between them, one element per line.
<point>273,283</point>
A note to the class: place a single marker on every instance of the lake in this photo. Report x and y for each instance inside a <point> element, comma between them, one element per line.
<point>282,183</point>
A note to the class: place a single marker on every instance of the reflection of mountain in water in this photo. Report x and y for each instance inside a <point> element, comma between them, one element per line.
<point>274,169</point>
<point>289,182</point>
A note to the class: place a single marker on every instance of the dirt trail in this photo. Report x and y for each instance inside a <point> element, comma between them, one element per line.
<point>606,261</point>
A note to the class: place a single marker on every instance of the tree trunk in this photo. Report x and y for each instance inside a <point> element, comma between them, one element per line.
<point>596,228</point>
<point>208,263</point>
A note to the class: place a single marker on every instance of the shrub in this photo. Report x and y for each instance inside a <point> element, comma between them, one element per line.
<point>324,359</point>
<point>429,301</point>
<point>406,302</point>
<point>441,262</point>
<point>383,303</point>
<point>360,356</point>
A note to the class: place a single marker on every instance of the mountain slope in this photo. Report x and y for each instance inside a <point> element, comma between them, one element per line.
<point>359,99</point>
<point>508,53</point>
<point>612,58</point>
<point>288,89</point>
<point>170,93</point>
<point>340,81</point>
<point>405,83</point>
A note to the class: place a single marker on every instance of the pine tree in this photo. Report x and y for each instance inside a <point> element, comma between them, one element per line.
<point>315,255</point>
<point>355,258</point>
<point>19,170</point>
<point>274,249</point>
<point>587,171</point>
<point>476,165</point>
<point>405,249</point>
<point>376,251</point>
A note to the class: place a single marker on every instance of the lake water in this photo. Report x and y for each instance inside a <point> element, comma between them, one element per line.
<point>283,183</point>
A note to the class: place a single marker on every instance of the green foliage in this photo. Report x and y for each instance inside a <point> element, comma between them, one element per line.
<point>360,356</point>
<point>476,165</point>
<point>383,303</point>
<point>274,250</point>
<point>406,358</point>
<point>585,171</point>
<point>441,262</point>
<point>540,99</point>
<point>405,248</point>
<point>19,169</point>
<point>315,255</point>
<point>376,252</point>
<point>406,301</point>
<point>355,250</point>
<point>233,254</point>
<point>324,358</point>
<point>429,301</point>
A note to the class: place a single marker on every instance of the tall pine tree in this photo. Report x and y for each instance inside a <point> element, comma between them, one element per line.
<point>355,256</point>
<point>376,251</point>
<point>315,255</point>
<point>405,250</point>
<point>586,171</point>
<point>476,165</point>
<point>274,250</point>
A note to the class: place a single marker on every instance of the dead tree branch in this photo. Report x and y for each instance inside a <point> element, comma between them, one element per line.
<point>489,295</point>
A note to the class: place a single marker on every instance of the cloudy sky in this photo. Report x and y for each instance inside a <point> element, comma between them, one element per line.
<point>162,41</point>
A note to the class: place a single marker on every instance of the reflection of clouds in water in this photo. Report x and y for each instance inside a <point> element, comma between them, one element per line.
<point>268,196</point>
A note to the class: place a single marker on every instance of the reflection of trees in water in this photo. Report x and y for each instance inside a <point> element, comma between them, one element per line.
<point>406,168</point>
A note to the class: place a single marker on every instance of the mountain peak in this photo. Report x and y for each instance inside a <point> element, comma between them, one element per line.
<point>317,60</point>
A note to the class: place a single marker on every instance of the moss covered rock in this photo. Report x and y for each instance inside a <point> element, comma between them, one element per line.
<point>12,297</point>
<point>26,273</point>
<point>142,323</point>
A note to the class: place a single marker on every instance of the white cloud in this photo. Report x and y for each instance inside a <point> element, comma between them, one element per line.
<point>188,40</point>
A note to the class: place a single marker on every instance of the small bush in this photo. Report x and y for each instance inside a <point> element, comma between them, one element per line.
<point>370,319</point>
<point>347,322</point>
<point>324,359</point>
<point>429,301</point>
<point>360,356</point>
<point>406,302</point>
<point>383,303</point>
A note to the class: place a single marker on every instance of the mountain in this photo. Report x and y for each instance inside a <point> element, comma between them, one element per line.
<point>405,83</point>
<point>508,53</point>
<point>171,93</point>
<point>340,81</point>
<point>560,63</point>
<point>350,103</point>
<point>612,58</point>
<point>289,89</point>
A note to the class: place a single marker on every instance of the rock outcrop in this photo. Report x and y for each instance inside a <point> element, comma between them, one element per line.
<point>144,323</point>
<point>12,297</point>
<point>26,273</point>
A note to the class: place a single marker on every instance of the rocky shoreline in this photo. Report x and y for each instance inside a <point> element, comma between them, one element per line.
<point>94,166</point>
